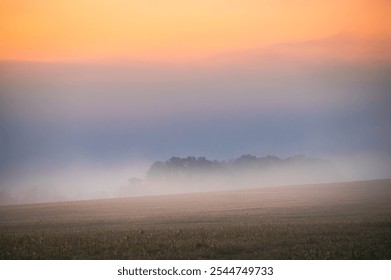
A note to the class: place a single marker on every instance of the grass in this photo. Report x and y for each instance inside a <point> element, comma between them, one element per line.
<point>267,241</point>
<point>328,229</point>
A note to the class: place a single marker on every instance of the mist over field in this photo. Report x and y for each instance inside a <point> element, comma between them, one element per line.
<point>82,130</point>
<point>79,182</point>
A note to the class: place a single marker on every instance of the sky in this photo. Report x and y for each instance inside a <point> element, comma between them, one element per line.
<point>176,30</point>
<point>92,92</point>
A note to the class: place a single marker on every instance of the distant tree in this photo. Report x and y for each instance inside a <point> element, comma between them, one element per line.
<point>157,171</point>
<point>193,168</point>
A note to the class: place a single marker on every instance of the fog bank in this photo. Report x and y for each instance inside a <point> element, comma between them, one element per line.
<point>89,181</point>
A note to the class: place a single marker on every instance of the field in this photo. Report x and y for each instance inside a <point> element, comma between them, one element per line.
<point>324,221</point>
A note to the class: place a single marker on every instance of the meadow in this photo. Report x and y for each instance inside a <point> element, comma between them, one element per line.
<point>324,221</point>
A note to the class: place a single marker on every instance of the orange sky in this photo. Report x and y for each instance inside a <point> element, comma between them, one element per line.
<point>176,29</point>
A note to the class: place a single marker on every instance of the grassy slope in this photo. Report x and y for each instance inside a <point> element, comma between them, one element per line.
<point>327,221</point>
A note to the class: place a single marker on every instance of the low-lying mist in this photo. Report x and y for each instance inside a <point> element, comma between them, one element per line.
<point>186,175</point>
<point>193,174</point>
<point>71,131</point>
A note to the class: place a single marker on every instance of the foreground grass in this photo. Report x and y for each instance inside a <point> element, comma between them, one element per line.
<point>325,221</point>
<point>263,241</point>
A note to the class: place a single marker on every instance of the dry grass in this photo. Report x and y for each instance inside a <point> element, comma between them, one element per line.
<point>330,221</point>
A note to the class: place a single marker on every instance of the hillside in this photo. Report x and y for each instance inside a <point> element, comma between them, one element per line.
<point>354,213</point>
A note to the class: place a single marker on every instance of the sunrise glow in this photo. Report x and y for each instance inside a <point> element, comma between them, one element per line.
<point>177,30</point>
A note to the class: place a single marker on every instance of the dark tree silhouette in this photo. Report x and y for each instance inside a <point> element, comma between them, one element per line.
<point>192,167</point>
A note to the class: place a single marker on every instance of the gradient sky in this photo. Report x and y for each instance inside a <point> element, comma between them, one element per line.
<point>92,92</point>
<point>174,29</point>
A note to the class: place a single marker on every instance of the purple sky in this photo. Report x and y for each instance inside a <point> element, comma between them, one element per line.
<point>122,116</point>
